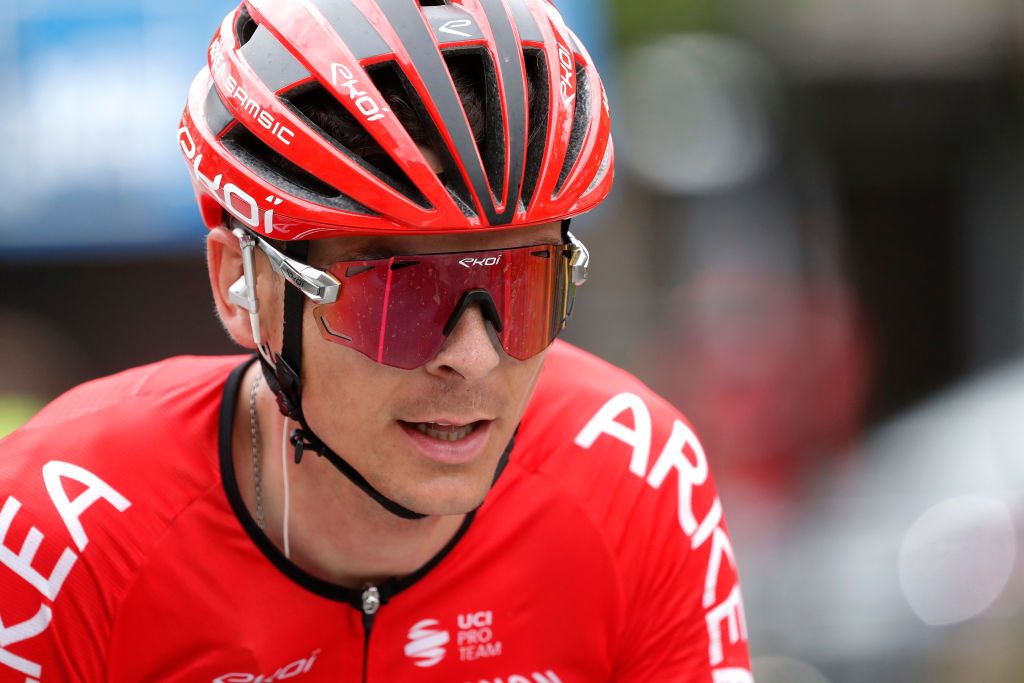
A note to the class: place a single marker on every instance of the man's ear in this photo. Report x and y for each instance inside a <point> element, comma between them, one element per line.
<point>224,262</point>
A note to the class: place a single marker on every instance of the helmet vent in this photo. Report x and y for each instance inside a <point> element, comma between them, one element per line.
<point>324,114</point>
<point>539,107</point>
<point>280,172</point>
<point>410,110</point>
<point>245,26</point>
<point>434,3</point>
<point>476,81</point>
<point>580,119</point>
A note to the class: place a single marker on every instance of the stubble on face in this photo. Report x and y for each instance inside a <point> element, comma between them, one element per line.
<point>355,406</point>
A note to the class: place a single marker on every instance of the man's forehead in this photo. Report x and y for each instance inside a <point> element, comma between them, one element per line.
<point>370,247</point>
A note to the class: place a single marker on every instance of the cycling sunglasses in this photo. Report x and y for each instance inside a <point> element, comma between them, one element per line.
<point>399,310</point>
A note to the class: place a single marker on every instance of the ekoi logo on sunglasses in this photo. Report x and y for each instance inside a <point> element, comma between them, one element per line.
<point>470,262</point>
<point>299,666</point>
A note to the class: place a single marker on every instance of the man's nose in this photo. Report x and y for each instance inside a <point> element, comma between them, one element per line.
<point>469,351</point>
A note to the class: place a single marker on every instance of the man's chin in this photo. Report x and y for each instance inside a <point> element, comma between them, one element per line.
<point>444,503</point>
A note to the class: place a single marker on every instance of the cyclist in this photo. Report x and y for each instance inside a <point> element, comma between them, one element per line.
<point>410,480</point>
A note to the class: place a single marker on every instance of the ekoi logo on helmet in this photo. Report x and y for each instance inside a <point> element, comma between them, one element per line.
<point>240,203</point>
<point>567,75</point>
<point>344,79</point>
<point>471,262</point>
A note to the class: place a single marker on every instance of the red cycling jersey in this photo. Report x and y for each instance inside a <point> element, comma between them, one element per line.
<point>128,555</point>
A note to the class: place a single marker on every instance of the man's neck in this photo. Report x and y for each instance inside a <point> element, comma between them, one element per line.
<point>335,531</point>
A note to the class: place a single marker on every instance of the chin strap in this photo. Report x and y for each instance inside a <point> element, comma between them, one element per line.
<point>282,373</point>
<point>305,440</point>
<point>283,382</point>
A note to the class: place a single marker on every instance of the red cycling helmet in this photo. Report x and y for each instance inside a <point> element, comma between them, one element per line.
<point>253,153</point>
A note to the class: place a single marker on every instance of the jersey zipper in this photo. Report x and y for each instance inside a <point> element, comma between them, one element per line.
<point>371,603</point>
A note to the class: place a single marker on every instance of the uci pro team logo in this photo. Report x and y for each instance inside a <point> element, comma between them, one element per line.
<point>426,646</point>
<point>474,639</point>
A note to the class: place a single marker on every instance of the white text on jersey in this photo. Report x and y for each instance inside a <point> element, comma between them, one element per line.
<point>684,455</point>
<point>20,561</point>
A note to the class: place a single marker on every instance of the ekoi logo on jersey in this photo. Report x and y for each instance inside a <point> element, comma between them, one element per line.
<point>290,670</point>
<point>548,676</point>
<point>474,639</point>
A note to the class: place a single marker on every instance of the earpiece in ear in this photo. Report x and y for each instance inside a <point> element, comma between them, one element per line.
<point>238,294</point>
<point>243,291</point>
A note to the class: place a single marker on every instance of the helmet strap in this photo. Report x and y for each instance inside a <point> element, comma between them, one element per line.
<point>291,335</point>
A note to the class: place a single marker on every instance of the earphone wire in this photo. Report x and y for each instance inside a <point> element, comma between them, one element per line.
<point>284,478</point>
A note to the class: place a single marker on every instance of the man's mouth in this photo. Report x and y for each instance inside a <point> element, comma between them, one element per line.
<point>454,440</point>
<point>445,431</point>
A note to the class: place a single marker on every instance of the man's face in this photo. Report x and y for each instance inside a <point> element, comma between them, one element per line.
<point>429,438</point>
